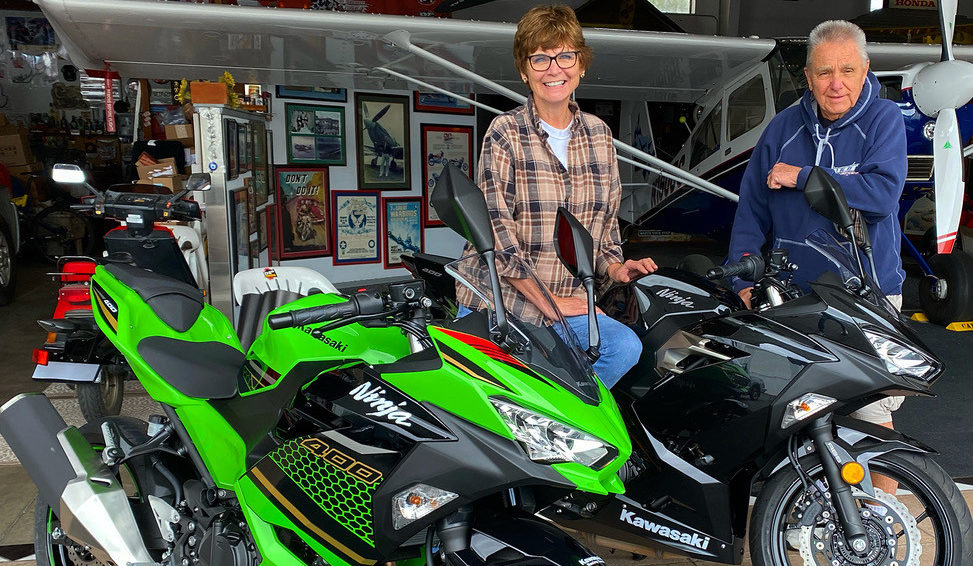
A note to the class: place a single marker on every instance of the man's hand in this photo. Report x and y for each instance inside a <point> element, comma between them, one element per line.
<point>745,295</point>
<point>783,175</point>
<point>572,306</point>
<point>631,269</point>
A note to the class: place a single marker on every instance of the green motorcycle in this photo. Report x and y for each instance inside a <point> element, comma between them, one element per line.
<point>352,432</point>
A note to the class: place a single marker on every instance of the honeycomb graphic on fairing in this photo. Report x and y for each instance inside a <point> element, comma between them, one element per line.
<point>345,498</point>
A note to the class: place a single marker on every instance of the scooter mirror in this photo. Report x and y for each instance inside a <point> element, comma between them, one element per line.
<point>825,196</point>
<point>573,245</point>
<point>67,173</point>
<point>198,182</point>
<point>461,206</point>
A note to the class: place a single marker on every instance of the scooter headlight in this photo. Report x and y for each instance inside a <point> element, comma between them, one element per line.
<point>550,442</point>
<point>899,358</point>
<point>804,407</point>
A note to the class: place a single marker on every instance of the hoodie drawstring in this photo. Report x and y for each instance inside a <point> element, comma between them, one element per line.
<point>822,143</point>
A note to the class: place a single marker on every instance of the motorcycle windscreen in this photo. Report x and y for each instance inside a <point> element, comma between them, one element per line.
<point>840,255</point>
<point>541,337</point>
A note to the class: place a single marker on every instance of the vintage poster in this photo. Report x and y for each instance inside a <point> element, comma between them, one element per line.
<point>402,228</point>
<point>442,145</point>
<point>356,226</point>
<point>302,194</point>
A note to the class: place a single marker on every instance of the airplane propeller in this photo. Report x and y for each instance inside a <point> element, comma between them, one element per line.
<point>378,116</point>
<point>939,89</point>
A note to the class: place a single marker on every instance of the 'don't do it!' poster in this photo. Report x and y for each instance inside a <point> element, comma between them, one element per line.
<point>305,227</point>
<point>356,226</point>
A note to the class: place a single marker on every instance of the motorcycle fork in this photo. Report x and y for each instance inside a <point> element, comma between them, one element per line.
<point>820,433</point>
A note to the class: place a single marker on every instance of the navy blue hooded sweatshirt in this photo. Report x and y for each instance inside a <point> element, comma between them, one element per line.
<point>864,150</point>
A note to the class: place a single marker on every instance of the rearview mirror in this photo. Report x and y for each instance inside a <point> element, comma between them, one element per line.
<point>198,182</point>
<point>826,197</point>
<point>67,173</point>
<point>574,245</point>
<point>461,206</point>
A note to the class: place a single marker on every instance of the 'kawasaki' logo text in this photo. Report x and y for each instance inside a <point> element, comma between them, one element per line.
<point>374,398</point>
<point>336,344</point>
<point>692,539</point>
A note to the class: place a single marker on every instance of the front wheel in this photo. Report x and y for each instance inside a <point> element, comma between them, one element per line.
<point>8,264</point>
<point>927,521</point>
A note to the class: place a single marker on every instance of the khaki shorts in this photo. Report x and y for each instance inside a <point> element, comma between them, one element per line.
<point>880,412</point>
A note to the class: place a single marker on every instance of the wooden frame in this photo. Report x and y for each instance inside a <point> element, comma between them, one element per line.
<point>440,103</point>
<point>441,143</point>
<point>356,224</point>
<point>315,134</point>
<point>303,216</point>
<point>231,141</point>
<point>312,93</point>
<point>401,229</point>
<point>382,128</point>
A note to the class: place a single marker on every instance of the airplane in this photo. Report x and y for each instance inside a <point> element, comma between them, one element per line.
<point>384,146</point>
<point>377,52</point>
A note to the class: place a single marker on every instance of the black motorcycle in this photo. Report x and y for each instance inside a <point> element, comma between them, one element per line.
<point>729,403</point>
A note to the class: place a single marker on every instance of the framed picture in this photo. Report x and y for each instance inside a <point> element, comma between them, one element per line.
<point>252,225</point>
<point>240,229</point>
<point>443,103</point>
<point>262,223</point>
<point>382,123</point>
<point>304,227</point>
<point>313,93</point>
<point>232,150</point>
<point>355,227</point>
<point>261,187</point>
<point>315,134</point>
<point>243,147</point>
<point>442,145</point>
<point>401,228</point>
<point>273,236</point>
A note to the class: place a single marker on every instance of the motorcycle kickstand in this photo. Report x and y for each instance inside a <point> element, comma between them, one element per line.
<point>820,432</point>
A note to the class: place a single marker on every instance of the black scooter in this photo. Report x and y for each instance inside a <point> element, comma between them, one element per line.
<point>727,403</point>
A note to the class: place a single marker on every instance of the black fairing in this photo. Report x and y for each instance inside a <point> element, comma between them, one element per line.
<point>340,460</point>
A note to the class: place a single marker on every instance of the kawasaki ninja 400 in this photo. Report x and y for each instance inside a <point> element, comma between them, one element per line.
<point>353,432</point>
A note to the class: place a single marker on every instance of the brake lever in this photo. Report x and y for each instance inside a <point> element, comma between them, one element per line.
<point>317,332</point>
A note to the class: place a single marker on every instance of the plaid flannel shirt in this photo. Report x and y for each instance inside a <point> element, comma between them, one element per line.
<point>524,184</point>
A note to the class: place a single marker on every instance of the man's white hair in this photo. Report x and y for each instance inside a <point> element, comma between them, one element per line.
<point>836,30</point>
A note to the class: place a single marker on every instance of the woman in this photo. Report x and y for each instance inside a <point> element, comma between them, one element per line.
<point>548,154</point>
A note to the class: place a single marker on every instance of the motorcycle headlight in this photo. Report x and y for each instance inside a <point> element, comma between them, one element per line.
<point>899,358</point>
<point>550,442</point>
<point>803,407</point>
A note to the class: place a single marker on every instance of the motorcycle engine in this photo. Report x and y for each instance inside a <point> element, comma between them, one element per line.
<point>214,534</point>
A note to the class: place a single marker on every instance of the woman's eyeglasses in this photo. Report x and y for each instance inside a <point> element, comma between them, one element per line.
<point>565,60</point>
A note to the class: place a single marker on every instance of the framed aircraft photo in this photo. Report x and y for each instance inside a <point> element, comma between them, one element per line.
<point>442,145</point>
<point>402,228</point>
<point>436,102</point>
<point>315,134</point>
<point>356,217</point>
<point>382,123</point>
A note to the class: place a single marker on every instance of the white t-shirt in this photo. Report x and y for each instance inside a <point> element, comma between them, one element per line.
<point>558,140</point>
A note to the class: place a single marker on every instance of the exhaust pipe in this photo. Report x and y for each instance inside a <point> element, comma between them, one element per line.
<point>72,479</point>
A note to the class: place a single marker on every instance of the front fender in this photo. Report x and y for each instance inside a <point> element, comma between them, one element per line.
<point>506,539</point>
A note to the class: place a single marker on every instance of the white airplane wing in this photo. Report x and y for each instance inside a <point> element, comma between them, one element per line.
<point>173,40</point>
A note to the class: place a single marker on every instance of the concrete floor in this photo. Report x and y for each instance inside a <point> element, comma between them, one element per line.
<point>19,334</point>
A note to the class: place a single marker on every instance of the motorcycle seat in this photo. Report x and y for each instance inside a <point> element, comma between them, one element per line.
<point>206,370</point>
<point>176,303</point>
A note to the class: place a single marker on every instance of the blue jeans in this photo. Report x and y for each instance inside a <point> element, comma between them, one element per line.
<point>620,347</point>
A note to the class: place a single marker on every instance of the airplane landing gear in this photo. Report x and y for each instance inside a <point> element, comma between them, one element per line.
<point>948,295</point>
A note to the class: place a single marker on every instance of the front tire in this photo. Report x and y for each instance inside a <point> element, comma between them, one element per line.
<point>933,500</point>
<point>8,264</point>
<point>100,400</point>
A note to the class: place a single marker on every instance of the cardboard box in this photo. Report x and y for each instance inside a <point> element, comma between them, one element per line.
<point>165,168</point>
<point>23,172</point>
<point>173,183</point>
<point>15,149</point>
<point>203,92</point>
<point>179,132</point>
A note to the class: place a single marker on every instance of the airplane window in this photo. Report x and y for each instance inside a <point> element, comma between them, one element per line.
<point>746,108</point>
<point>891,88</point>
<point>706,139</point>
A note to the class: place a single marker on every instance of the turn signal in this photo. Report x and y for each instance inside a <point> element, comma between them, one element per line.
<point>853,473</point>
<point>51,338</point>
<point>39,356</point>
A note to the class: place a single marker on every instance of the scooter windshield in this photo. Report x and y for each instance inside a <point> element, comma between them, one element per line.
<point>840,253</point>
<point>537,335</point>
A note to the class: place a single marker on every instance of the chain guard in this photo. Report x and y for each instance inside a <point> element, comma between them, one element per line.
<point>823,544</point>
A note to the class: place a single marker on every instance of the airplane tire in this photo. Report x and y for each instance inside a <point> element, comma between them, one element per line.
<point>950,298</point>
<point>8,264</point>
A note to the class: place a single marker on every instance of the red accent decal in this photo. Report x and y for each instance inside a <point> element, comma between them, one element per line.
<point>484,346</point>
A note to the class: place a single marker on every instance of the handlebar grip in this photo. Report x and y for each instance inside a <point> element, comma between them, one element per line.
<point>749,268</point>
<point>313,315</point>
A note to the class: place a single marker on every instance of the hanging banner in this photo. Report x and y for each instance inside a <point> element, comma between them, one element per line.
<point>109,101</point>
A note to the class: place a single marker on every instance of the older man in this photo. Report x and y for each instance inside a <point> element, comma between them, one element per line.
<point>842,125</point>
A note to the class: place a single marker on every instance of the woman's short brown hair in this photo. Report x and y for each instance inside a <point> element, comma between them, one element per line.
<point>547,27</point>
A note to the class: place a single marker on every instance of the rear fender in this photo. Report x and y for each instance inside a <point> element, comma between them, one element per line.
<point>513,540</point>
